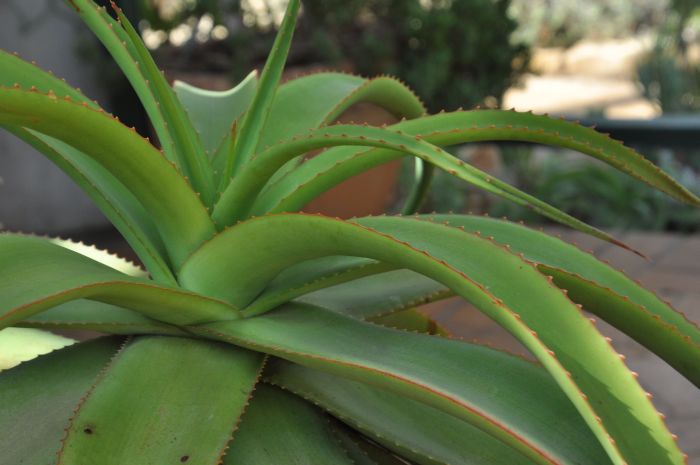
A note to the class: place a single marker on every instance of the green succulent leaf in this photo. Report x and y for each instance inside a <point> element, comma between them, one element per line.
<point>321,98</point>
<point>111,197</point>
<point>163,400</point>
<point>376,295</point>
<point>213,112</point>
<point>235,202</point>
<point>486,274</point>
<point>18,345</point>
<point>179,139</point>
<point>38,398</point>
<point>335,165</point>
<point>410,429</point>
<point>509,398</point>
<point>59,275</point>
<point>255,118</point>
<point>181,218</point>
<point>603,290</point>
<point>88,315</point>
<point>277,423</point>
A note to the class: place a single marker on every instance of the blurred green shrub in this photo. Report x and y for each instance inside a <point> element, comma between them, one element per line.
<point>598,195</point>
<point>671,73</point>
<point>451,52</point>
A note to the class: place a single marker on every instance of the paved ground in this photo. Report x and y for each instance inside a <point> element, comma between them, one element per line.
<point>674,273</point>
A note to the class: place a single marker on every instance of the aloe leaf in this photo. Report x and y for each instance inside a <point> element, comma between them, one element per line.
<point>163,400</point>
<point>38,275</point>
<point>377,295</point>
<point>411,319</point>
<point>361,450</point>
<point>38,398</point>
<point>110,196</point>
<point>89,315</point>
<point>119,45</point>
<point>332,167</point>
<point>19,345</point>
<point>485,273</point>
<point>235,202</point>
<point>102,256</point>
<point>313,275</point>
<point>196,163</point>
<point>410,429</point>
<point>602,290</point>
<point>508,398</point>
<point>182,219</point>
<point>16,71</point>
<point>213,112</point>
<point>321,98</point>
<point>280,428</point>
<point>179,139</point>
<point>254,119</point>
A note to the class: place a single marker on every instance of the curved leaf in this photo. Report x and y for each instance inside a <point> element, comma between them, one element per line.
<point>508,398</point>
<point>37,275</point>
<point>376,295</point>
<point>491,277</point>
<point>89,315</point>
<point>235,201</point>
<point>409,428</point>
<point>18,345</point>
<point>254,119</point>
<point>603,290</point>
<point>213,112</point>
<point>151,405</point>
<point>179,139</point>
<point>280,428</point>
<point>39,397</point>
<point>110,196</point>
<point>333,166</point>
<point>182,220</point>
<point>319,99</point>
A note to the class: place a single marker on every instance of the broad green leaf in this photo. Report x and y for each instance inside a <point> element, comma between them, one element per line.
<point>254,119</point>
<point>411,429</point>
<point>113,199</point>
<point>38,398</point>
<point>89,315</point>
<point>163,400</point>
<point>335,165</point>
<point>280,428</point>
<point>37,275</point>
<point>506,397</point>
<point>602,290</point>
<point>19,345</point>
<point>235,201</point>
<point>213,112</point>
<point>487,274</point>
<point>181,218</point>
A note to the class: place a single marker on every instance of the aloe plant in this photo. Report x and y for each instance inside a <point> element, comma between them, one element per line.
<point>257,334</point>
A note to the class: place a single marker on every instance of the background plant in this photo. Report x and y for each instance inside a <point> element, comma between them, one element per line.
<point>259,334</point>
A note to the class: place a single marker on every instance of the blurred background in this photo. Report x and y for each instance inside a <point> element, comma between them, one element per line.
<point>630,67</point>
